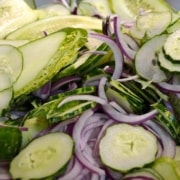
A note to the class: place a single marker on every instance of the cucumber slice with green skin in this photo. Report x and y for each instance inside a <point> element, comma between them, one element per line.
<point>44,157</point>
<point>129,9</point>
<point>35,30</point>
<point>14,15</point>
<point>172,46</point>
<point>167,168</point>
<point>59,50</point>
<point>166,63</point>
<point>6,96</point>
<point>125,147</point>
<point>11,61</point>
<point>151,24</point>
<point>10,141</point>
<point>146,61</point>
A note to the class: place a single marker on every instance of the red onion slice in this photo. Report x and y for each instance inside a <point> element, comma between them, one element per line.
<point>169,87</point>
<point>127,51</point>
<point>168,143</point>
<point>116,51</point>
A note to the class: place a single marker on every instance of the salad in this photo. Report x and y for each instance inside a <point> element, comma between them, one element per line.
<point>89,90</point>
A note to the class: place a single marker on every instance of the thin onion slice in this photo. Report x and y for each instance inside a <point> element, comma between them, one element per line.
<point>174,88</point>
<point>168,143</point>
<point>127,51</point>
<point>116,51</point>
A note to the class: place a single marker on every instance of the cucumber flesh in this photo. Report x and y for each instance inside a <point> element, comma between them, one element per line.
<point>125,147</point>
<point>15,43</point>
<point>43,157</point>
<point>49,25</point>
<point>34,60</point>
<point>6,97</point>
<point>146,62</point>
<point>11,61</point>
<point>151,24</point>
<point>167,168</point>
<point>129,9</point>
<point>14,15</point>
<point>59,50</point>
<point>172,46</point>
<point>10,140</point>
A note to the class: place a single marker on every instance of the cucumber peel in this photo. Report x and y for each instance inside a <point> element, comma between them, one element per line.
<point>44,157</point>
<point>10,140</point>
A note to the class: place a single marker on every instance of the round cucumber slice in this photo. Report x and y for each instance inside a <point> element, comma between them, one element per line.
<point>146,61</point>
<point>125,147</point>
<point>43,157</point>
<point>129,9</point>
<point>11,61</point>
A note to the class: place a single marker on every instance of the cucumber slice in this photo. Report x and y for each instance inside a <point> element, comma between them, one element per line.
<point>173,27</point>
<point>177,156</point>
<point>49,25</point>
<point>167,168</point>
<point>5,81</point>
<point>43,157</point>
<point>59,50</point>
<point>146,62</point>
<point>10,140</point>
<point>14,15</point>
<point>129,9</point>
<point>172,46</point>
<point>166,63</point>
<point>11,61</point>
<point>125,147</point>
<point>5,97</point>
<point>151,24</point>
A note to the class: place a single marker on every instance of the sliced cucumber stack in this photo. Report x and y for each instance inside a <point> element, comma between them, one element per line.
<point>124,147</point>
<point>43,157</point>
<point>169,55</point>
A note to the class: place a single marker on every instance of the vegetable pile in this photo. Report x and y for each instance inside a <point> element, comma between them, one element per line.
<point>90,90</point>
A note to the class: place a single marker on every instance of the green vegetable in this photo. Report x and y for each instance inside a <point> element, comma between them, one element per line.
<point>124,147</point>
<point>42,158</point>
<point>10,141</point>
<point>58,50</point>
<point>167,168</point>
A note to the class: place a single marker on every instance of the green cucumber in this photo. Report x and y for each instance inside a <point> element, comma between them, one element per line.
<point>14,15</point>
<point>11,61</point>
<point>43,157</point>
<point>59,50</point>
<point>146,61</point>
<point>151,24</point>
<point>37,29</point>
<point>167,168</point>
<point>10,141</point>
<point>35,125</point>
<point>69,110</point>
<point>125,147</point>
<point>167,64</point>
<point>129,9</point>
<point>172,46</point>
<point>5,81</point>
<point>173,27</point>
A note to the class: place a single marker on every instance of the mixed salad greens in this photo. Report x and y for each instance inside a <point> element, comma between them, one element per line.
<point>90,90</point>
